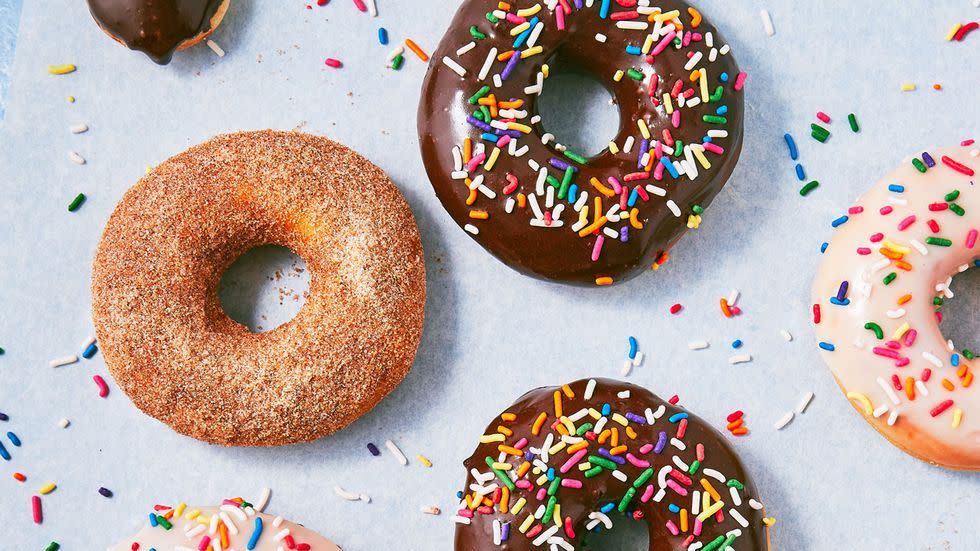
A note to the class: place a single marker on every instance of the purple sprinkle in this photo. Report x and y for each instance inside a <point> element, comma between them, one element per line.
<point>479,124</point>
<point>636,418</point>
<point>528,455</point>
<point>561,165</point>
<point>505,531</point>
<point>644,145</point>
<point>4,417</point>
<point>604,453</point>
<point>661,442</point>
<point>842,292</point>
<point>511,63</point>
<point>624,234</point>
<point>578,4</point>
<point>511,133</point>
<point>106,492</point>
<point>373,449</point>
<point>930,162</point>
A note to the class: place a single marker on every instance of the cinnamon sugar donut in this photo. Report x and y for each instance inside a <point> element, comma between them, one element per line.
<point>163,332</point>
<point>158,28</point>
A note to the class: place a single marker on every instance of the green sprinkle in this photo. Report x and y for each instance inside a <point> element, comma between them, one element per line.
<point>889,278</point>
<point>938,241</point>
<point>876,328</point>
<point>492,18</point>
<point>695,465</point>
<point>162,521</point>
<point>550,511</point>
<point>634,74</point>
<point>697,209</point>
<point>53,546</point>
<point>486,113</point>
<point>626,499</point>
<point>397,62</point>
<point>644,476</point>
<point>575,157</point>
<point>553,487</point>
<point>714,544</point>
<point>478,115</point>
<point>76,202</point>
<point>957,209</point>
<point>919,165</point>
<point>951,196</point>
<point>678,148</point>
<point>566,181</point>
<point>716,97</point>
<point>594,471</point>
<point>937,301</point>
<point>734,483</point>
<point>583,428</point>
<point>819,133</point>
<point>479,94</point>
<point>500,474</point>
<point>968,354</point>
<point>475,33</point>
<point>602,462</point>
<point>808,187</point>
<point>822,138</point>
<point>714,119</point>
<point>552,181</point>
<point>852,120</point>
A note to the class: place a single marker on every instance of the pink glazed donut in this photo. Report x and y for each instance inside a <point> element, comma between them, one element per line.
<point>876,301</point>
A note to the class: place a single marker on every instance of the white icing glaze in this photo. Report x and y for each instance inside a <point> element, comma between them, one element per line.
<point>853,361</point>
<point>176,539</point>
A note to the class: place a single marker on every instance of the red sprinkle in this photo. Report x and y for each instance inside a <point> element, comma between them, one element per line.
<point>824,117</point>
<point>360,5</point>
<point>39,517</point>
<point>735,415</point>
<point>941,407</point>
<point>103,388</point>
<point>926,374</point>
<point>816,313</point>
<point>964,30</point>
<point>674,399</point>
<point>333,62</point>
<point>961,168</point>
<point>933,225</point>
<point>19,477</point>
<point>675,308</point>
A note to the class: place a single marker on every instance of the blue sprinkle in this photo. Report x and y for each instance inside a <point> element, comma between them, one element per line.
<point>707,139</point>
<point>955,360</point>
<point>606,409</point>
<point>4,417</point>
<point>382,35</point>
<point>721,110</point>
<point>254,540</point>
<point>634,195</point>
<point>838,302</point>
<point>737,343</point>
<point>632,347</point>
<point>90,351</point>
<point>4,453</point>
<point>13,439</point>
<point>677,417</point>
<point>551,473</point>
<point>791,143</point>
<point>572,193</point>
<point>673,508</point>
<point>153,520</point>
<point>669,166</point>
<point>723,77</point>
<point>490,137</point>
<point>633,50</point>
<point>823,247</point>
<point>827,346</point>
<point>608,507</point>
<point>896,188</point>
<point>604,9</point>
<point>373,449</point>
<point>839,221</point>
<point>459,494</point>
<point>799,172</point>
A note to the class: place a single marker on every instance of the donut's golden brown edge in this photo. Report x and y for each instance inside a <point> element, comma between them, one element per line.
<point>160,324</point>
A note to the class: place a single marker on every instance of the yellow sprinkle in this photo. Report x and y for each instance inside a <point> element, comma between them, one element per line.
<point>61,69</point>
<point>493,159</point>
<point>594,413</point>
<point>543,479</point>
<point>425,460</point>
<point>668,105</point>
<point>908,87</point>
<point>528,12</point>
<point>704,86</point>
<point>531,51</point>
<point>714,508</point>
<point>520,28</point>
<point>618,75</point>
<point>518,506</point>
<point>557,447</point>
<point>768,521</point>
<point>557,515</point>
<point>47,488</point>
<point>957,417</point>
<point>891,245</point>
<point>644,131</point>
<point>502,466</point>
<point>667,16</point>
<point>693,221</point>
<point>545,70</point>
<point>647,44</point>
<point>71,99</point>
<point>584,466</point>
<point>620,419</point>
<point>193,514</point>
<point>613,148</point>
<point>490,438</point>
<point>865,402</point>
<point>698,151</point>
<point>952,32</point>
<point>180,509</point>
<point>900,331</point>
<point>527,522</point>
<point>522,128</point>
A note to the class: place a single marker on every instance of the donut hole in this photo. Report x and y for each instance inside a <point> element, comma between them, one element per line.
<point>961,324</point>
<point>264,288</point>
<point>578,109</point>
<point>626,535</point>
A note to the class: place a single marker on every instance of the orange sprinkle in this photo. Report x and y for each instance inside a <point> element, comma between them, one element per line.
<point>223,535</point>
<point>591,228</point>
<point>508,417</point>
<point>735,424</point>
<point>618,450</point>
<point>683,520</point>
<point>695,17</point>
<point>515,104</point>
<point>538,423</point>
<point>740,431</point>
<point>725,309</point>
<point>561,429</point>
<point>961,371</point>
<point>710,489</point>
<point>601,188</point>
<point>504,430</point>
<point>504,6</point>
<point>910,388</point>
<point>568,391</point>
<point>948,385</point>
<point>614,437</point>
<point>695,75</point>
<point>634,221</point>
<point>904,298</point>
<point>631,433</point>
<point>603,436</point>
<point>557,404</point>
<point>479,214</point>
<point>604,280</point>
<point>510,450</point>
<point>505,55</point>
<point>471,198</point>
<point>467,149</point>
<point>968,380</point>
<point>504,498</point>
<point>903,265</point>
<point>411,45</point>
<point>523,469</point>
<point>521,200</point>
<point>19,477</point>
<point>937,86</point>
<point>894,255</point>
<point>576,447</point>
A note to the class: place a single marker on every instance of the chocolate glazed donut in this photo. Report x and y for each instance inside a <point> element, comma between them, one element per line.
<point>564,462</point>
<point>663,162</point>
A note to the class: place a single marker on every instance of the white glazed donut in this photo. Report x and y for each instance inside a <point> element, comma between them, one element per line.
<point>185,528</point>
<point>894,254</point>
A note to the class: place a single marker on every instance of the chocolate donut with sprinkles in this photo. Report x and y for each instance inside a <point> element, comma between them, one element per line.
<point>877,298</point>
<point>539,206</point>
<point>565,462</point>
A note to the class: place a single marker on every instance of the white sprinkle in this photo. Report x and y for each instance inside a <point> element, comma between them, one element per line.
<point>349,496</point>
<point>472,229</point>
<point>533,38</point>
<point>919,247</point>
<point>921,387</point>
<point>804,402</point>
<point>931,358</point>
<point>76,158</point>
<point>693,61</point>
<point>497,82</point>
<point>277,522</point>
<point>623,395</point>
<point>463,49</point>
<point>697,345</point>
<point>632,25</point>
<point>738,517</point>
<point>627,367</point>
<point>263,499</point>
<point>638,360</point>
<point>372,7</point>
<point>64,423</point>
<point>89,341</point>
<point>895,314</point>
<point>620,475</point>
<point>783,421</point>
<point>786,335</point>
<point>600,37</point>
<point>739,358</point>
<point>767,22</point>
<point>215,48</point>
<point>589,389</point>
<point>673,207</point>
<point>485,70</point>
<point>66,360</point>
<point>461,520</point>
<point>656,190</point>
<point>733,297</point>
<point>456,67</point>
<point>396,452</point>
<point>892,417</point>
<point>880,410</point>
<point>78,129</point>
<point>888,390</point>
<point>397,51</point>
<point>755,505</point>
<point>431,510</point>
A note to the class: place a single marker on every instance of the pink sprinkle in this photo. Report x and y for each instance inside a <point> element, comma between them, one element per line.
<point>515,19</point>
<point>635,461</point>
<point>332,62</point>
<point>936,207</point>
<point>573,460</point>
<point>560,19</point>
<point>699,451</point>
<point>205,542</point>
<point>863,251</point>
<point>662,45</point>
<point>523,484</point>
<point>902,361</point>
<point>521,443</point>
<point>888,353</point>
<point>712,147</point>
<point>673,528</point>
<point>906,222</point>
<point>103,388</point>
<point>597,247</point>
<point>740,81</point>
<point>855,210</point>
<point>475,162</point>
<point>571,483</point>
<point>894,345</point>
<point>465,513</point>
<point>926,374</point>
<point>675,119</point>
<point>36,509</point>
<point>645,448</point>
<point>697,527</point>
<point>642,192</point>
<point>824,117</point>
<point>681,429</point>
<point>676,487</point>
<point>360,5</point>
<point>542,493</point>
<point>910,337</point>
<point>511,187</point>
<point>887,209</point>
<point>971,238</point>
<point>966,143</point>
<point>647,493</point>
<point>503,141</point>
<point>877,237</point>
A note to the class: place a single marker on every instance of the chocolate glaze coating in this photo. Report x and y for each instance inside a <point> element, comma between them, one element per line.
<point>560,254</point>
<point>604,488</point>
<point>154,27</point>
